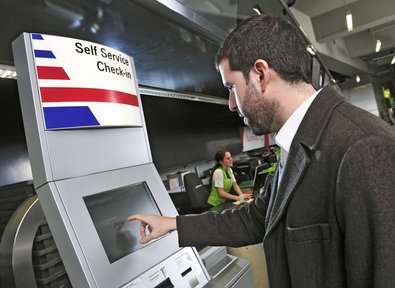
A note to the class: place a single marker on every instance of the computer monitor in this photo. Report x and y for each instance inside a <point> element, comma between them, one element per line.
<point>259,179</point>
<point>109,211</point>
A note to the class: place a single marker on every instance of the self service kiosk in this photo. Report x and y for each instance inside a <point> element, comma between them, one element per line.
<point>92,165</point>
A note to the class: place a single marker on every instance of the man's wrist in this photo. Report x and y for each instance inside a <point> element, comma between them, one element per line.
<point>172,223</point>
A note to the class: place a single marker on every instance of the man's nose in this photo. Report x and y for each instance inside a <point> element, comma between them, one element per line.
<point>232,102</point>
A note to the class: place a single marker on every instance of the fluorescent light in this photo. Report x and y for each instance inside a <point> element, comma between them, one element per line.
<point>378,45</point>
<point>349,21</point>
<point>7,72</point>
<point>311,49</point>
<point>393,60</point>
<point>257,9</point>
<point>357,78</point>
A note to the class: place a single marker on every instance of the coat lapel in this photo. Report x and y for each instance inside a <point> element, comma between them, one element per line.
<point>291,176</point>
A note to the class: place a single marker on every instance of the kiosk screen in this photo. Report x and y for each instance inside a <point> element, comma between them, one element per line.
<point>109,211</point>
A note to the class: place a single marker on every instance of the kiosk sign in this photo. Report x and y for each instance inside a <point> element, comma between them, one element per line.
<point>84,84</point>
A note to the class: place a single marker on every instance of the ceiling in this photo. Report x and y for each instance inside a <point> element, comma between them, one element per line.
<point>345,53</point>
<point>372,21</point>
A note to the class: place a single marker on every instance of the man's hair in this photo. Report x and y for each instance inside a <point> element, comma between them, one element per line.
<point>269,38</point>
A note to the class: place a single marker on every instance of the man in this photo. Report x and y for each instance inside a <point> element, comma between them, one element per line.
<point>328,217</point>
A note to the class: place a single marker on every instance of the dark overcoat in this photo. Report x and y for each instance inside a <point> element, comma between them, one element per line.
<point>331,222</point>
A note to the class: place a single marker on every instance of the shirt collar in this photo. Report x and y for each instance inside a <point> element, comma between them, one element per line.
<point>284,137</point>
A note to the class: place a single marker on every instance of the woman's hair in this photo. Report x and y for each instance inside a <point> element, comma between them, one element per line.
<point>219,156</point>
<point>269,38</point>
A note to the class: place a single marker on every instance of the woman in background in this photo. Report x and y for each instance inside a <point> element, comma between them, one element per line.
<point>222,180</point>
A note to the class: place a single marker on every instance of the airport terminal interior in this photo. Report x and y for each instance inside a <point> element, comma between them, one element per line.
<point>66,187</point>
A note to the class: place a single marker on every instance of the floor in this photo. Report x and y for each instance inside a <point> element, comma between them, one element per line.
<point>256,256</point>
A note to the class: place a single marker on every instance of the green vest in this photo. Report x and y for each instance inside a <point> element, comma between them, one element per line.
<point>214,198</point>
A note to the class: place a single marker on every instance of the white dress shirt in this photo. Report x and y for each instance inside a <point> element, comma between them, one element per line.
<point>285,136</point>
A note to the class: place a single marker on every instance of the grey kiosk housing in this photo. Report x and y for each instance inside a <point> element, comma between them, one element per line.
<point>88,181</point>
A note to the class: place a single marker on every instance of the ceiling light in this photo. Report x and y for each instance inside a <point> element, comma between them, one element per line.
<point>7,72</point>
<point>357,78</point>
<point>349,21</point>
<point>378,46</point>
<point>393,60</point>
<point>311,49</point>
<point>95,28</point>
<point>257,9</point>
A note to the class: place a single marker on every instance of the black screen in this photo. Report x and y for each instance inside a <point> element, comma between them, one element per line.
<point>181,131</point>
<point>109,211</point>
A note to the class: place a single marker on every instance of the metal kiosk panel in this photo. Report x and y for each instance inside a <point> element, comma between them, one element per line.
<point>91,168</point>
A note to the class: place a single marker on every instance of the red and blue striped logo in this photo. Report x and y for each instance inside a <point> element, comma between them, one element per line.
<point>63,107</point>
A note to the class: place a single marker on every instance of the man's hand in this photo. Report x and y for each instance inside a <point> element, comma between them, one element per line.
<point>155,224</point>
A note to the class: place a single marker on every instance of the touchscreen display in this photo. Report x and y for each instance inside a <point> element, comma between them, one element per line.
<point>109,211</point>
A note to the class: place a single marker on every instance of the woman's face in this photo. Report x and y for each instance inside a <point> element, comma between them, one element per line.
<point>227,161</point>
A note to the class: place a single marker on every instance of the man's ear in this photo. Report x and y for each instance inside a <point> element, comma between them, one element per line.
<point>261,71</point>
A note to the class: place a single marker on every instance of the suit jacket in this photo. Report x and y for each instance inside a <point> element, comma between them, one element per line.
<point>331,223</point>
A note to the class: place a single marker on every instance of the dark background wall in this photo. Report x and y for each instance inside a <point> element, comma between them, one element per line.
<point>14,160</point>
<point>182,131</point>
<point>179,131</point>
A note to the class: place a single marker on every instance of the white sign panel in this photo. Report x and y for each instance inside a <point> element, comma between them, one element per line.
<point>251,141</point>
<point>84,84</point>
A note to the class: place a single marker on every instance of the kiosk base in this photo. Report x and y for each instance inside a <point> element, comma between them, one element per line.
<point>181,269</point>
<point>226,271</point>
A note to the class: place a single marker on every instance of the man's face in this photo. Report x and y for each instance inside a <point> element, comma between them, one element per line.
<point>246,98</point>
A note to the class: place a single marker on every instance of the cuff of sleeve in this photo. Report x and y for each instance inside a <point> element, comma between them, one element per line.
<point>179,230</point>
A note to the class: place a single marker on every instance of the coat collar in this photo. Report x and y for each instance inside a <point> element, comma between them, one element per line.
<point>314,122</point>
<point>306,138</point>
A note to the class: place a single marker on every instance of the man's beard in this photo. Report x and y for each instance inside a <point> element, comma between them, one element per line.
<point>258,111</point>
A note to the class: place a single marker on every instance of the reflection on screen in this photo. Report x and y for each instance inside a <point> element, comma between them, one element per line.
<point>109,211</point>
